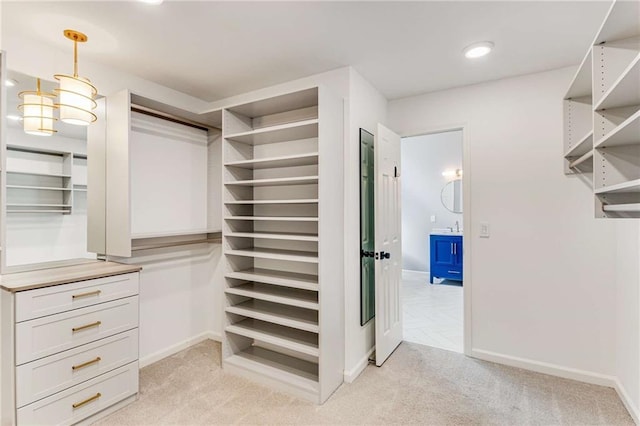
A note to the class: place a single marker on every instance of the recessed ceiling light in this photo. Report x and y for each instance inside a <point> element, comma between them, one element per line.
<point>14,117</point>
<point>151,1</point>
<point>477,50</point>
<point>10,82</point>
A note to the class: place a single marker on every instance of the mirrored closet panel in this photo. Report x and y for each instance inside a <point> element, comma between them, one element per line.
<point>45,182</point>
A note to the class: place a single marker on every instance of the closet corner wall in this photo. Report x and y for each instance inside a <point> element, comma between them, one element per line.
<point>283,242</point>
<point>160,183</point>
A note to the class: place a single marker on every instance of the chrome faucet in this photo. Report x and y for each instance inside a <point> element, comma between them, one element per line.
<point>457,226</point>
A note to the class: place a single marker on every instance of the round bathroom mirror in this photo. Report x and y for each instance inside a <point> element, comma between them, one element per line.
<point>451,196</point>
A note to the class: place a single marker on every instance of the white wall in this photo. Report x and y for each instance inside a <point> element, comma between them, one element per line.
<point>542,292</point>
<point>628,313</point>
<point>367,108</point>
<point>424,158</point>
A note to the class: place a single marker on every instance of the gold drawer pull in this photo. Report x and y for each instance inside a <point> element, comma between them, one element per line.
<point>87,294</point>
<point>86,364</point>
<point>86,401</point>
<point>84,327</point>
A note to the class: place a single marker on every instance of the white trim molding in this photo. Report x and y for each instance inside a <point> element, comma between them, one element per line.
<point>351,375</point>
<point>631,407</point>
<point>546,368</point>
<point>174,349</point>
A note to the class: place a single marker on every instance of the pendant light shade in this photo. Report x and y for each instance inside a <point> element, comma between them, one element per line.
<point>76,94</point>
<point>37,112</point>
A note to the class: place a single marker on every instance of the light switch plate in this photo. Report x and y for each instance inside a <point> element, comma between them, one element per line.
<point>484,230</point>
<point>433,218</point>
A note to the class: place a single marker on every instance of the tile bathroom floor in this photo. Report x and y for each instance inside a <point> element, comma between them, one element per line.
<point>433,314</point>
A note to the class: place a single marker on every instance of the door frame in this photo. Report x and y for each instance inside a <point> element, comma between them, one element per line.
<point>466,221</point>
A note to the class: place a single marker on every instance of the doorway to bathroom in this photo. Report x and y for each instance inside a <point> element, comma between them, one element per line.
<point>432,240</point>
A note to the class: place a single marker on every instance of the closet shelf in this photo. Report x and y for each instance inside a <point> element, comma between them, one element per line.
<point>295,372</point>
<point>275,313</point>
<point>40,205</point>
<point>38,211</point>
<point>19,172</point>
<point>298,201</point>
<point>627,133</point>
<point>306,159</point>
<point>301,180</point>
<point>281,278</point>
<point>583,146</point>
<point>275,236</point>
<point>275,218</point>
<point>575,163</point>
<point>40,188</point>
<point>581,84</point>
<point>625,91</point>
<point>632,207</point>
<point>287,296</point>
<point>284,337</point>
<point>275,254</point>
<point>285,132</point>
<point>631,186</point>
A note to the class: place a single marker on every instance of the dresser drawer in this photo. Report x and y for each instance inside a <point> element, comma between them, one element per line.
<point>52,300</point>
<point>83,400</point>
<point>38,379</point>
<point>56,333</point>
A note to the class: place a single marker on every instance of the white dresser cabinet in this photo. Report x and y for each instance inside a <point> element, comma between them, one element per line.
<point>69,342</point>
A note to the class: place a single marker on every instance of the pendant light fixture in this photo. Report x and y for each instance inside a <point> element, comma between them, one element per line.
<point>76,94</point>
<point>37,111</point>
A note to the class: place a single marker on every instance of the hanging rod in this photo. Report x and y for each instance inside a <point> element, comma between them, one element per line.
<point>170,117</point>
<point>177,243</point>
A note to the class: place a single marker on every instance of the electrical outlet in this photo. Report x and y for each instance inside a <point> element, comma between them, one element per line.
<point>484,230</point>
<point>433,218</point>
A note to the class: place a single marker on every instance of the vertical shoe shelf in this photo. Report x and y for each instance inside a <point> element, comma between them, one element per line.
<point>602,115</point>
<point>282,238</point>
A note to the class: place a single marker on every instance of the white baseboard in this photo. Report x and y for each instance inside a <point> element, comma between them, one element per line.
<point>631,407</point>
<point>546,368</point>
<point>173,349</point>
<point>351,375</point>
<point>411,271</point>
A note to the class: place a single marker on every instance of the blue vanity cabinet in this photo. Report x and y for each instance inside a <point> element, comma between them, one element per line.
<point>446,257</point>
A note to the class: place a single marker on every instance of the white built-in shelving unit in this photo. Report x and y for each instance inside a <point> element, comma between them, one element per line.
<point>282,241</point>
<point>163,174</point>
<point>41,180</point>
<point>602,115</point>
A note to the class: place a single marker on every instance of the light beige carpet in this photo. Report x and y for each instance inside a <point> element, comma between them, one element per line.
<point>417,385</point>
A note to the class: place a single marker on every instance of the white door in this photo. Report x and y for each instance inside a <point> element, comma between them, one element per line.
<point>388,244</point>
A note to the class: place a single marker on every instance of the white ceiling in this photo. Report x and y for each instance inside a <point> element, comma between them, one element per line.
<point>213,50</point>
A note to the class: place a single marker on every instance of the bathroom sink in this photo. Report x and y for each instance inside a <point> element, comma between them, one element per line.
<point>445,231</point>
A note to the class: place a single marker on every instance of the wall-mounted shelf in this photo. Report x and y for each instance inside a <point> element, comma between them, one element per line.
<point>275,254</point>
<point>295,201</point>
<point>274,218</point>
<point>627,133</point>
<point>625,187</point>
<point>301,180</point>
<point>277,294</point>
<point>39,179</point>
<point>603,103</point>
<point>281,278</point>
<point>275,313</point>
<point>274,236</point>
<point>304,159</point>
<point>286,132</point>
<point>625,91</point>
<point>283,337</point>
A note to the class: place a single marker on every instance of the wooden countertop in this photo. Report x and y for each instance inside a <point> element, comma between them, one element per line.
<point>30,280</point>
